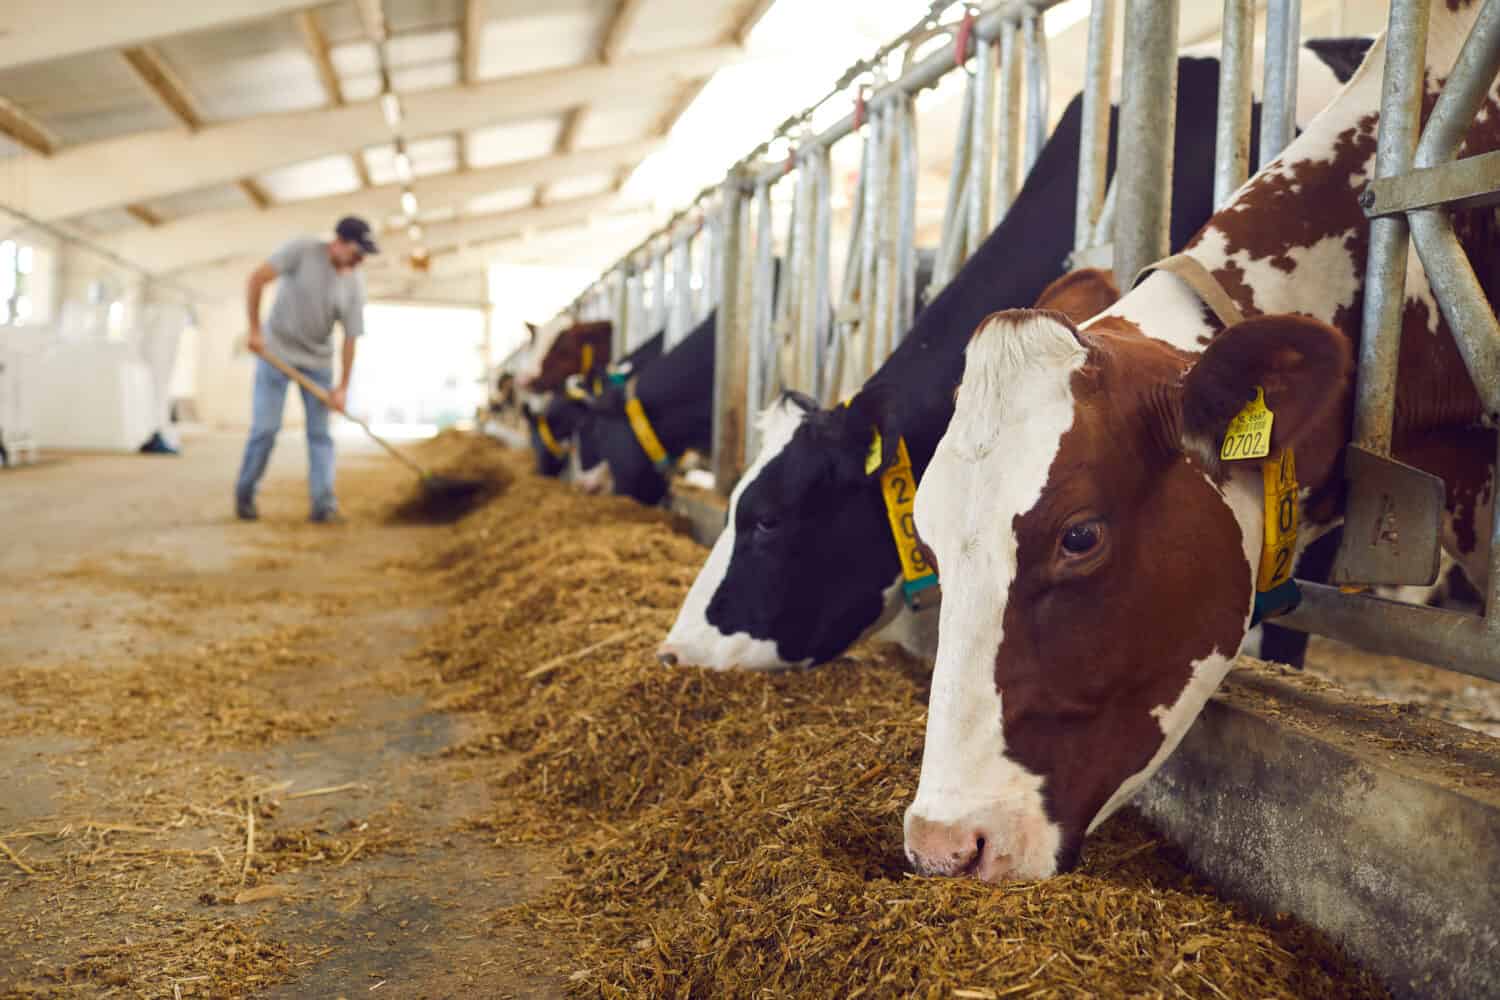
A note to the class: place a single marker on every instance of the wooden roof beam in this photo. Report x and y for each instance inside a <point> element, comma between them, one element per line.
<point>471,35</point>
<point>202,237</point>
<point>258,195</point>
<point>145,166</point>
<point>316,44</point>
<point>34,31</point>
<point>165,85</point>
<point>144,215</point>
<point>617,34</point>
<point>26,129</point>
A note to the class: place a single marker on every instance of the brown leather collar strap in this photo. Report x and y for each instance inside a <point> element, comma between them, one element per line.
<point>1201,280</point>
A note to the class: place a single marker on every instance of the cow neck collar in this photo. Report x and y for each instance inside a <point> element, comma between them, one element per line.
<point>549,440</point>
<point>1276,591</point>
<point>898,494</point>
<point>1192,272</point>
<point>645,434</point>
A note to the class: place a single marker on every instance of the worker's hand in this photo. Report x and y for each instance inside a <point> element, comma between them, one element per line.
<point>338,397</point>
<point>257,343</point>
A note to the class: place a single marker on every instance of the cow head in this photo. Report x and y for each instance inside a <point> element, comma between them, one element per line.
<point>803,565</point>
<point>610,458</point>
<point>577,350</point>
<point>1098,567</point>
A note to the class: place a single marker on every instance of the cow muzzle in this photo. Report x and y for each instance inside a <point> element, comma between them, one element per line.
<point>992,844</point>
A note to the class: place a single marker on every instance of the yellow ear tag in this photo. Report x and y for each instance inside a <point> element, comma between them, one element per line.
<point>872,460</point>
<point>1249,433</point>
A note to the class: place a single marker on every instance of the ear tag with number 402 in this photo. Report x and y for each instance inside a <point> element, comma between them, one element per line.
<point>1249,433</point>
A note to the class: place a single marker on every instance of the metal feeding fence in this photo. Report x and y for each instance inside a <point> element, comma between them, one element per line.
<point>785,326</point>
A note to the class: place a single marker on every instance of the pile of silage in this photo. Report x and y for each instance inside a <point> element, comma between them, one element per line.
<point>739,835</point>
<point>465,471</point>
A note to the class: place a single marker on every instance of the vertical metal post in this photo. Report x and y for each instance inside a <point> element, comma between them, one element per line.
<point>761,311</point>
<point>1093,144</point>
<point>1278,109</point>
<point>636,332</point>
<point>779,357</point>
<point>822,250</point>
<point>620,311</point>
<point>1148,108</point>
<point>1008,135</point>
<point>886,221</point>
<point>981,217</point>
<point>954,243</point>
<point>904,113</point>
<point>658,291</point>
<point>682,287</point>
<point>1385,270</point>
<point>730,342</point>
<point>874,192</point>
<point>1232,135</point>
<point>1037,99</point>
<point>712,240</point>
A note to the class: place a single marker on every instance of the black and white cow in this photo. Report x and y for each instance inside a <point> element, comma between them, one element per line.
<point>553,435</point>
<point>676,395</point>
<point>806,565</point>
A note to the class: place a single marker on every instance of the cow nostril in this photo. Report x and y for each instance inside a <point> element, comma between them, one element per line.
<point>666,659</point>
<point>976,860</point>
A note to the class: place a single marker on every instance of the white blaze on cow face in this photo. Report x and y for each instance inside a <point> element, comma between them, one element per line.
<point>693,639</point>
<point>977,810</point>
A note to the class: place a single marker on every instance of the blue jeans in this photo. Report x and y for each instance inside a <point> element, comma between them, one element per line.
<point>267,402</point>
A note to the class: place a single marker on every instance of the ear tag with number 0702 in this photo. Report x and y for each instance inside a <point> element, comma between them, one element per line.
<point>1249,433</point>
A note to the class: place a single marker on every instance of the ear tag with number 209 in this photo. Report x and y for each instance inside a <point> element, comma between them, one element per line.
<point>1249,433</point>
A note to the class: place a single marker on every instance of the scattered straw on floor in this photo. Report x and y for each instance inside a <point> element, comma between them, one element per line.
<point>466,471</point>
<point>735,835</point>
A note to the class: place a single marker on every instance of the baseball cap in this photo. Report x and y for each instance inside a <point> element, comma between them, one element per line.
<point>352,229</point>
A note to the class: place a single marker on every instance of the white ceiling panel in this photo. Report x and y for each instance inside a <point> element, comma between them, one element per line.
<point>500,201</point>
<point>437,155</point>
<point>516,141</point>
<point>580,187</point>
<point>220,197</point>
<point>313,179</point>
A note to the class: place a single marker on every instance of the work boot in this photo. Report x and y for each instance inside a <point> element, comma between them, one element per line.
<point>328,515</point>
<point>245,510</point>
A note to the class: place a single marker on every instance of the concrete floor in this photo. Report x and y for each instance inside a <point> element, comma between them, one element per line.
<point>163,670</point>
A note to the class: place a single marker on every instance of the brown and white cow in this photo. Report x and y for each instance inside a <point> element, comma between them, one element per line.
<point>1098,559</point>
<point>581,349</point>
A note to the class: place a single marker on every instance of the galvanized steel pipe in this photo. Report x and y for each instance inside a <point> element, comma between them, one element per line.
<point>1385,267</point>
<point>982,147</point>
<point>1232,135</point>
<point>1278,109</point>
<point>1037,85</point>
<point>1148,123</point>
<point>1093,143</point>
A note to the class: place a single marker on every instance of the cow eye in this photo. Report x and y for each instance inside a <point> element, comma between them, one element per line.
<point>767,525</point>
<point>1082,538</point>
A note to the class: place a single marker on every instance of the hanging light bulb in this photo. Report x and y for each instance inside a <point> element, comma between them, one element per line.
<point>409,203</point>
<point>403,163</point>
<point>390,106</point>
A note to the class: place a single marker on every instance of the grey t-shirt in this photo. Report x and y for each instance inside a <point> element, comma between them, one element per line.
<point>310,295</point>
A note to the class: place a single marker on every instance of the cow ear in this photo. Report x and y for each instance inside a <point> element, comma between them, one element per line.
<point>1304,367</point>
<point>1080,295</point>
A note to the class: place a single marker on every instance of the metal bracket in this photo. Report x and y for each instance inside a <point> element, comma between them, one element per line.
<point>1468,183</point>
<point>1392,523</point>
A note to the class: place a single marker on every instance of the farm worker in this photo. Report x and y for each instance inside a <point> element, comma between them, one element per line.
<point>319,283</point>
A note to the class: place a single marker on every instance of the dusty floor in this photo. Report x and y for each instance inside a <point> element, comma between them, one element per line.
<point>170,677</point>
